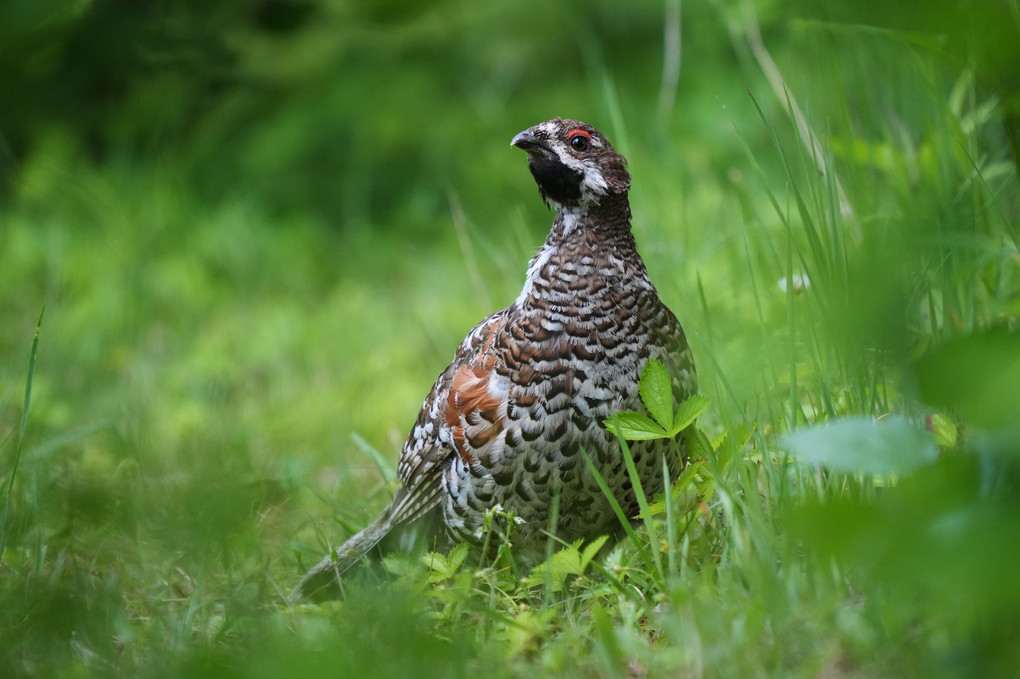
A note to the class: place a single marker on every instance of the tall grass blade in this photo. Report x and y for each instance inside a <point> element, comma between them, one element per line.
<point>623,518</point>
<point>385,467</point>
<point>639,493</point>
<point>670,519</point>
<point>21,433</point>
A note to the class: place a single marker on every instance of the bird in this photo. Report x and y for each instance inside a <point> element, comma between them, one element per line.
<point>509,423</point>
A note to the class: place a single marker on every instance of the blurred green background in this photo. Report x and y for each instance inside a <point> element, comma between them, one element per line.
<point>260,229</point>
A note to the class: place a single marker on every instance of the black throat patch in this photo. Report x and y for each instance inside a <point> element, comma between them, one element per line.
<point>556,181</point>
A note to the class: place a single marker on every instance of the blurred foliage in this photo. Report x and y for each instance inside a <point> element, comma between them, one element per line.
<point>364,111</point>
<point>262,227</point>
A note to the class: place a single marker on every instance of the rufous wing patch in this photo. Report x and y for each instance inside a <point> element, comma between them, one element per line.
<point>474,415</point>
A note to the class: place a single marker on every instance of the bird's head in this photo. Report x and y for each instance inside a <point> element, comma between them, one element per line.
<point>574,165</point>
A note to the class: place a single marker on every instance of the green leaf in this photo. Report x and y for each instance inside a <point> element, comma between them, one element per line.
<point>656,392</point>
<point>399,564</point>
<point>977,376</point>
<point>457,556</point>
<point>569,561</point>
<point>591,550</point>
<point>635,427</point>
<point>698,445</point>
<point>689,411</point>
<point>861,445</point>
<point>445,567</point>
<point>435,562</point>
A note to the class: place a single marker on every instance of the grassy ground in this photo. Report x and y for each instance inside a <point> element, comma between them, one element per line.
<point>234,346</point>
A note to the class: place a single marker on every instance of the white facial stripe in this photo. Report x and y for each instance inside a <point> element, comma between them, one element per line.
<point>593,179</point>
<point>549,128</point>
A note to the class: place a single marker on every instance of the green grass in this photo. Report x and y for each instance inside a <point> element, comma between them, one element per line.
<point>244,312</point>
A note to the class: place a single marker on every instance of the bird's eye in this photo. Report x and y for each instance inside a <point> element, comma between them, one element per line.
<point>579,140</point>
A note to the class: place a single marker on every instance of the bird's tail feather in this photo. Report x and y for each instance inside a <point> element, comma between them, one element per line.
<point>323,580</point>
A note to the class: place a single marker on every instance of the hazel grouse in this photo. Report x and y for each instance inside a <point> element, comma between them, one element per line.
<point>530,386</point>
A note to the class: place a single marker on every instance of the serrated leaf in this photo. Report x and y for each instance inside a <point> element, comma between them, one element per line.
<point>444,567</point>
<point>861,445</point>
<point>456,557</point>
<point>689,411</point>
<point>591,550</point>
<point>563,564</point>
<point>435,562</point>
<point>657,392</point>
<point>635,427</point>
<point>719,440</point>
<point>567,562</point>
<point>698,445</point>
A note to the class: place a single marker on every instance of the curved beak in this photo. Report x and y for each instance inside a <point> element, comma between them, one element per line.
<point>526,141</point>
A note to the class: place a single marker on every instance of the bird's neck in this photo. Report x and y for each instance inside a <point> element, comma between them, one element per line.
<point>608,218</point>
<point>593,246</point>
